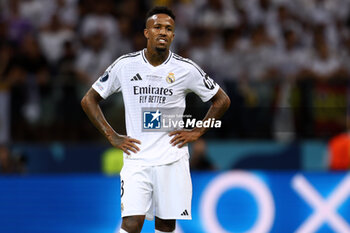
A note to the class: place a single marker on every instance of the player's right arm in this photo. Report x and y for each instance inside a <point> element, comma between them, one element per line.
<point>90,105</point>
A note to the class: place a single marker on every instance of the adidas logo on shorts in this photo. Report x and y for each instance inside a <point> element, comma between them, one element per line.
<point>185,213</point>
<point>137,77</point>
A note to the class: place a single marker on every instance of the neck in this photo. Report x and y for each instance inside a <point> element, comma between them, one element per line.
<point>156,57</point>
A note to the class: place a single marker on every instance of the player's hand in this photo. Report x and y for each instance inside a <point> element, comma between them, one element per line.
<point>125,143</point>
<point>181,137</point>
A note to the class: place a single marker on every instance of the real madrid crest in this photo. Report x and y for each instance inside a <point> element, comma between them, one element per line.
<point>170,78</point>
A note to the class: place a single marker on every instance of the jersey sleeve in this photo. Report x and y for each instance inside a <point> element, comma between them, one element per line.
<point>108,83</point>
<point>201,84</point>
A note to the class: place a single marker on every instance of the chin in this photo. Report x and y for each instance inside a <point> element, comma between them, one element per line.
<point>161,49</point>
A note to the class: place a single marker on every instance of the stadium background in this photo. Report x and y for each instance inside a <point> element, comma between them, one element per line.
<point>284,64</point>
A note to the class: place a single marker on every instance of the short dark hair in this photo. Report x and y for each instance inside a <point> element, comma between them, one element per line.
<point>160,10</point>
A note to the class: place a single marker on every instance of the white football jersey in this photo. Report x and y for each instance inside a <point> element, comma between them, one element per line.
<point>148,90</point>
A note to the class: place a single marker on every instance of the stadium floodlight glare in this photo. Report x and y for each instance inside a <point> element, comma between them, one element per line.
<point>243,180</point>
<point>324,210</point>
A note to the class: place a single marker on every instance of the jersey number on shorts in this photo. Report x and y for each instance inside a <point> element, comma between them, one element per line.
<point>122,188</point>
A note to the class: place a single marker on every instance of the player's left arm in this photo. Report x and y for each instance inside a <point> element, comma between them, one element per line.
<point>220,103</point>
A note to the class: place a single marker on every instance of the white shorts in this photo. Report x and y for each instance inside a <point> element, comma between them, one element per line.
<point>164,191</point>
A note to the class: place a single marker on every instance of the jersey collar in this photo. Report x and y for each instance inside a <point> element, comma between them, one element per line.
<point>146,61</point>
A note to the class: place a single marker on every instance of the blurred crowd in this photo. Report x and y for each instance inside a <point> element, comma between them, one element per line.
<point>285,64</point>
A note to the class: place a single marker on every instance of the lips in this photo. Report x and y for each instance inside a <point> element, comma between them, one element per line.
<point>162,40</point>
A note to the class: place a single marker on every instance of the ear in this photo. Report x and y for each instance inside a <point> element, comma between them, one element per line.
<point>145,32</point>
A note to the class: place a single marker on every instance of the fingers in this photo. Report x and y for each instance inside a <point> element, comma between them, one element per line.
<point>182,144</point>
<point>132,145</point>
<point>134,140</point>
<point>179,140</point>
<point>125,150</point>
<point>182,137</point>
<point>178,134</point>
<point>174,132</point>
<point>174,138</point>
<point>129,145</point>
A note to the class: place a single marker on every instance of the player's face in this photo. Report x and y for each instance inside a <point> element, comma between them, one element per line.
<point>159,32</point>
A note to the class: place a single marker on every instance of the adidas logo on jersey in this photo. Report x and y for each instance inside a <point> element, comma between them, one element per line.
<point>185,213</point>
<point>137,77</point>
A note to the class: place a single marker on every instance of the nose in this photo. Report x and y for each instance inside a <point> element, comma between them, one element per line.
<point>162,31</point>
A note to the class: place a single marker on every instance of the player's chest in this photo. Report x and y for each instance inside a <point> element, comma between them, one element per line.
<point>157,77</point>
<point>154,85</point>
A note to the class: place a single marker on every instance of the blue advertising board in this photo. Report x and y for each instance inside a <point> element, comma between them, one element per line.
<point>235,201</point>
